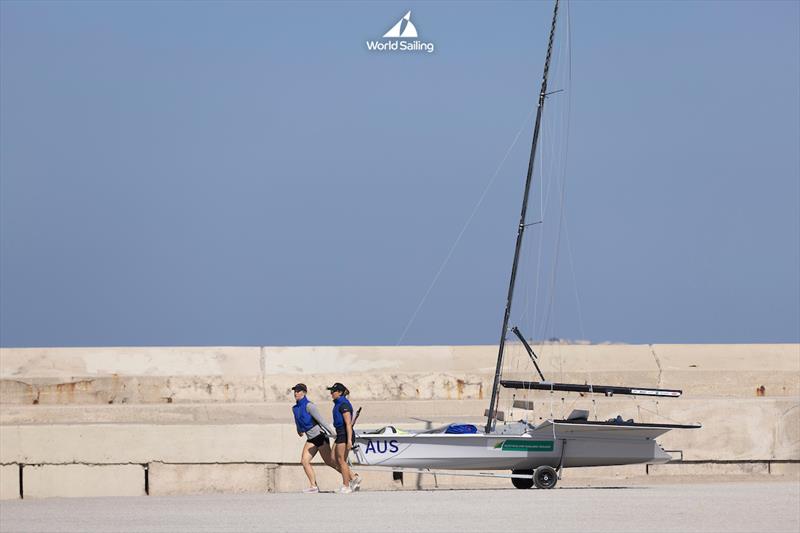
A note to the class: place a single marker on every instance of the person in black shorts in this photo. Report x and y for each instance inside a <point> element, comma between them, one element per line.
<point>343,422</point>
<point>308,420</point>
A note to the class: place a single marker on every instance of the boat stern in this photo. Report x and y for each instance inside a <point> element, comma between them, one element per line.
<point>660,455</point>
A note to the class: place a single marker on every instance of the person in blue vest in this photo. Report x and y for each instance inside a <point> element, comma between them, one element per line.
<point>309,421</point>
<point>343,423</point>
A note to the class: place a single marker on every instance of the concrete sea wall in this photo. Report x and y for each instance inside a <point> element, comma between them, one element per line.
<point>122,421</point>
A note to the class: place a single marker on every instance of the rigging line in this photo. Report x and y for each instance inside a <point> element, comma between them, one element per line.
<point>566,227</point>
<point>542,234</point>
<point>548,295</point>
<point>541,237</point>
<point>541,172</point>
<point>556,253</point>
<point>574,282</point>
<point>562,179</point>
<point>569,409</point>
<point>568,38</point>
<point>553,163</point>
<point>569,47</point>
<point>539,217</point>
<point>660,415</point>
<point>464,228</point>
<point>527,284</point>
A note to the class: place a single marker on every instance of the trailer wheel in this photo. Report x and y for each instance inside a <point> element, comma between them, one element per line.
<point>522,483</point>
<point>545,477</point>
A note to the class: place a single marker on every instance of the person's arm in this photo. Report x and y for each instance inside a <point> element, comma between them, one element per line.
<point>348,424</point>
<point>315,414</point>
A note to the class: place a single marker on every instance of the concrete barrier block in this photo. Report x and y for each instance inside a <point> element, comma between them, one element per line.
<point>733,430</point>
<point>708,469</point>
<point>606,472</point>
<point>9,482</point>
<point>16,363</point>
<point>144,443</point>
<point>741,357</point>
<point>14,391</point>
<point>71,481</point>
<point>85,390</point>
<point>132,390</point>
<point>787,431</point>
<point>213,389</point>
<point>343,360</point>
<point>785,469</point>
<point>385,386</point>
<point>740,370</point>
<point>130,375</point>
<point>292,478</point>
<point>171,479</point>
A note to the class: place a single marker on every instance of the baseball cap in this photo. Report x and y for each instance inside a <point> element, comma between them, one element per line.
<point>300,387</point>
<point>337,387</point>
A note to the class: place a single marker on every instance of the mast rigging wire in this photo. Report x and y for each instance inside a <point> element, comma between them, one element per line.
<point>545,189</point>
<point>464,228</point>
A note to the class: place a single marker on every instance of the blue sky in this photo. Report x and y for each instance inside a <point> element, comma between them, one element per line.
<point>250,174</point>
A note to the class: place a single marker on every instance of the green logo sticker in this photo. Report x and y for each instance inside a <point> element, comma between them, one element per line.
<point>525,445</point>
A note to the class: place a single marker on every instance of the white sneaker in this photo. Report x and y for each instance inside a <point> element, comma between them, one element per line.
<point>345,490</point>
<point>311,490</point>
<point>355,483</point>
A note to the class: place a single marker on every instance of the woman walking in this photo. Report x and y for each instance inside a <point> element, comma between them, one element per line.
<point>309,421</point>
<point>343,422</point>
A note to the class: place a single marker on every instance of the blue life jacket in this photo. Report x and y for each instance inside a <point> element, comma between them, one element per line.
<point>302,418</point>
<point>338,419</point>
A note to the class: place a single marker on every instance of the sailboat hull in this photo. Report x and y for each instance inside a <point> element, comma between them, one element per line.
<point>553,444</point>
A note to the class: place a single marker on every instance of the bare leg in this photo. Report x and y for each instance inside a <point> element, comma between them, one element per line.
<point>309,451</point>
<point>327,455</point>
<point>341,458</point>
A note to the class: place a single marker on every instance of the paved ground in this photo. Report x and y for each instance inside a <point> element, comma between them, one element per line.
<point>728,507</point>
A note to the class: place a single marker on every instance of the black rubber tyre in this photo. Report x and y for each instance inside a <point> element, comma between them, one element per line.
<point>520,483</point>
<point>545,477</point>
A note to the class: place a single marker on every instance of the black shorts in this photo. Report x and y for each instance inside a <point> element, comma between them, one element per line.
<point>341,435</point>
<point>319,440</point>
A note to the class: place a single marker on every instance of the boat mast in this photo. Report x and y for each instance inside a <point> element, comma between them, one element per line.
<point>521,228</point>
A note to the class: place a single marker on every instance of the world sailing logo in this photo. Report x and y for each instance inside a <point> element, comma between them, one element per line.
<point>397,35</point>
<point>399,31</point>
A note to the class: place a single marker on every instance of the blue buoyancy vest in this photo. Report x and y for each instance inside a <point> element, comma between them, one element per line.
<point>338,419</point>
<point>302,418</point>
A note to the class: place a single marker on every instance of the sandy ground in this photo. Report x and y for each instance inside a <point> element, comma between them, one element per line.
<point>728,507</point>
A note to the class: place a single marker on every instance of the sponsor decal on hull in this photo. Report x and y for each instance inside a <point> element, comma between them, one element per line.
<point>526,445</point>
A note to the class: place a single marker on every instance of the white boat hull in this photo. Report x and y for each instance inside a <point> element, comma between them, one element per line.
<point>553,444</point>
